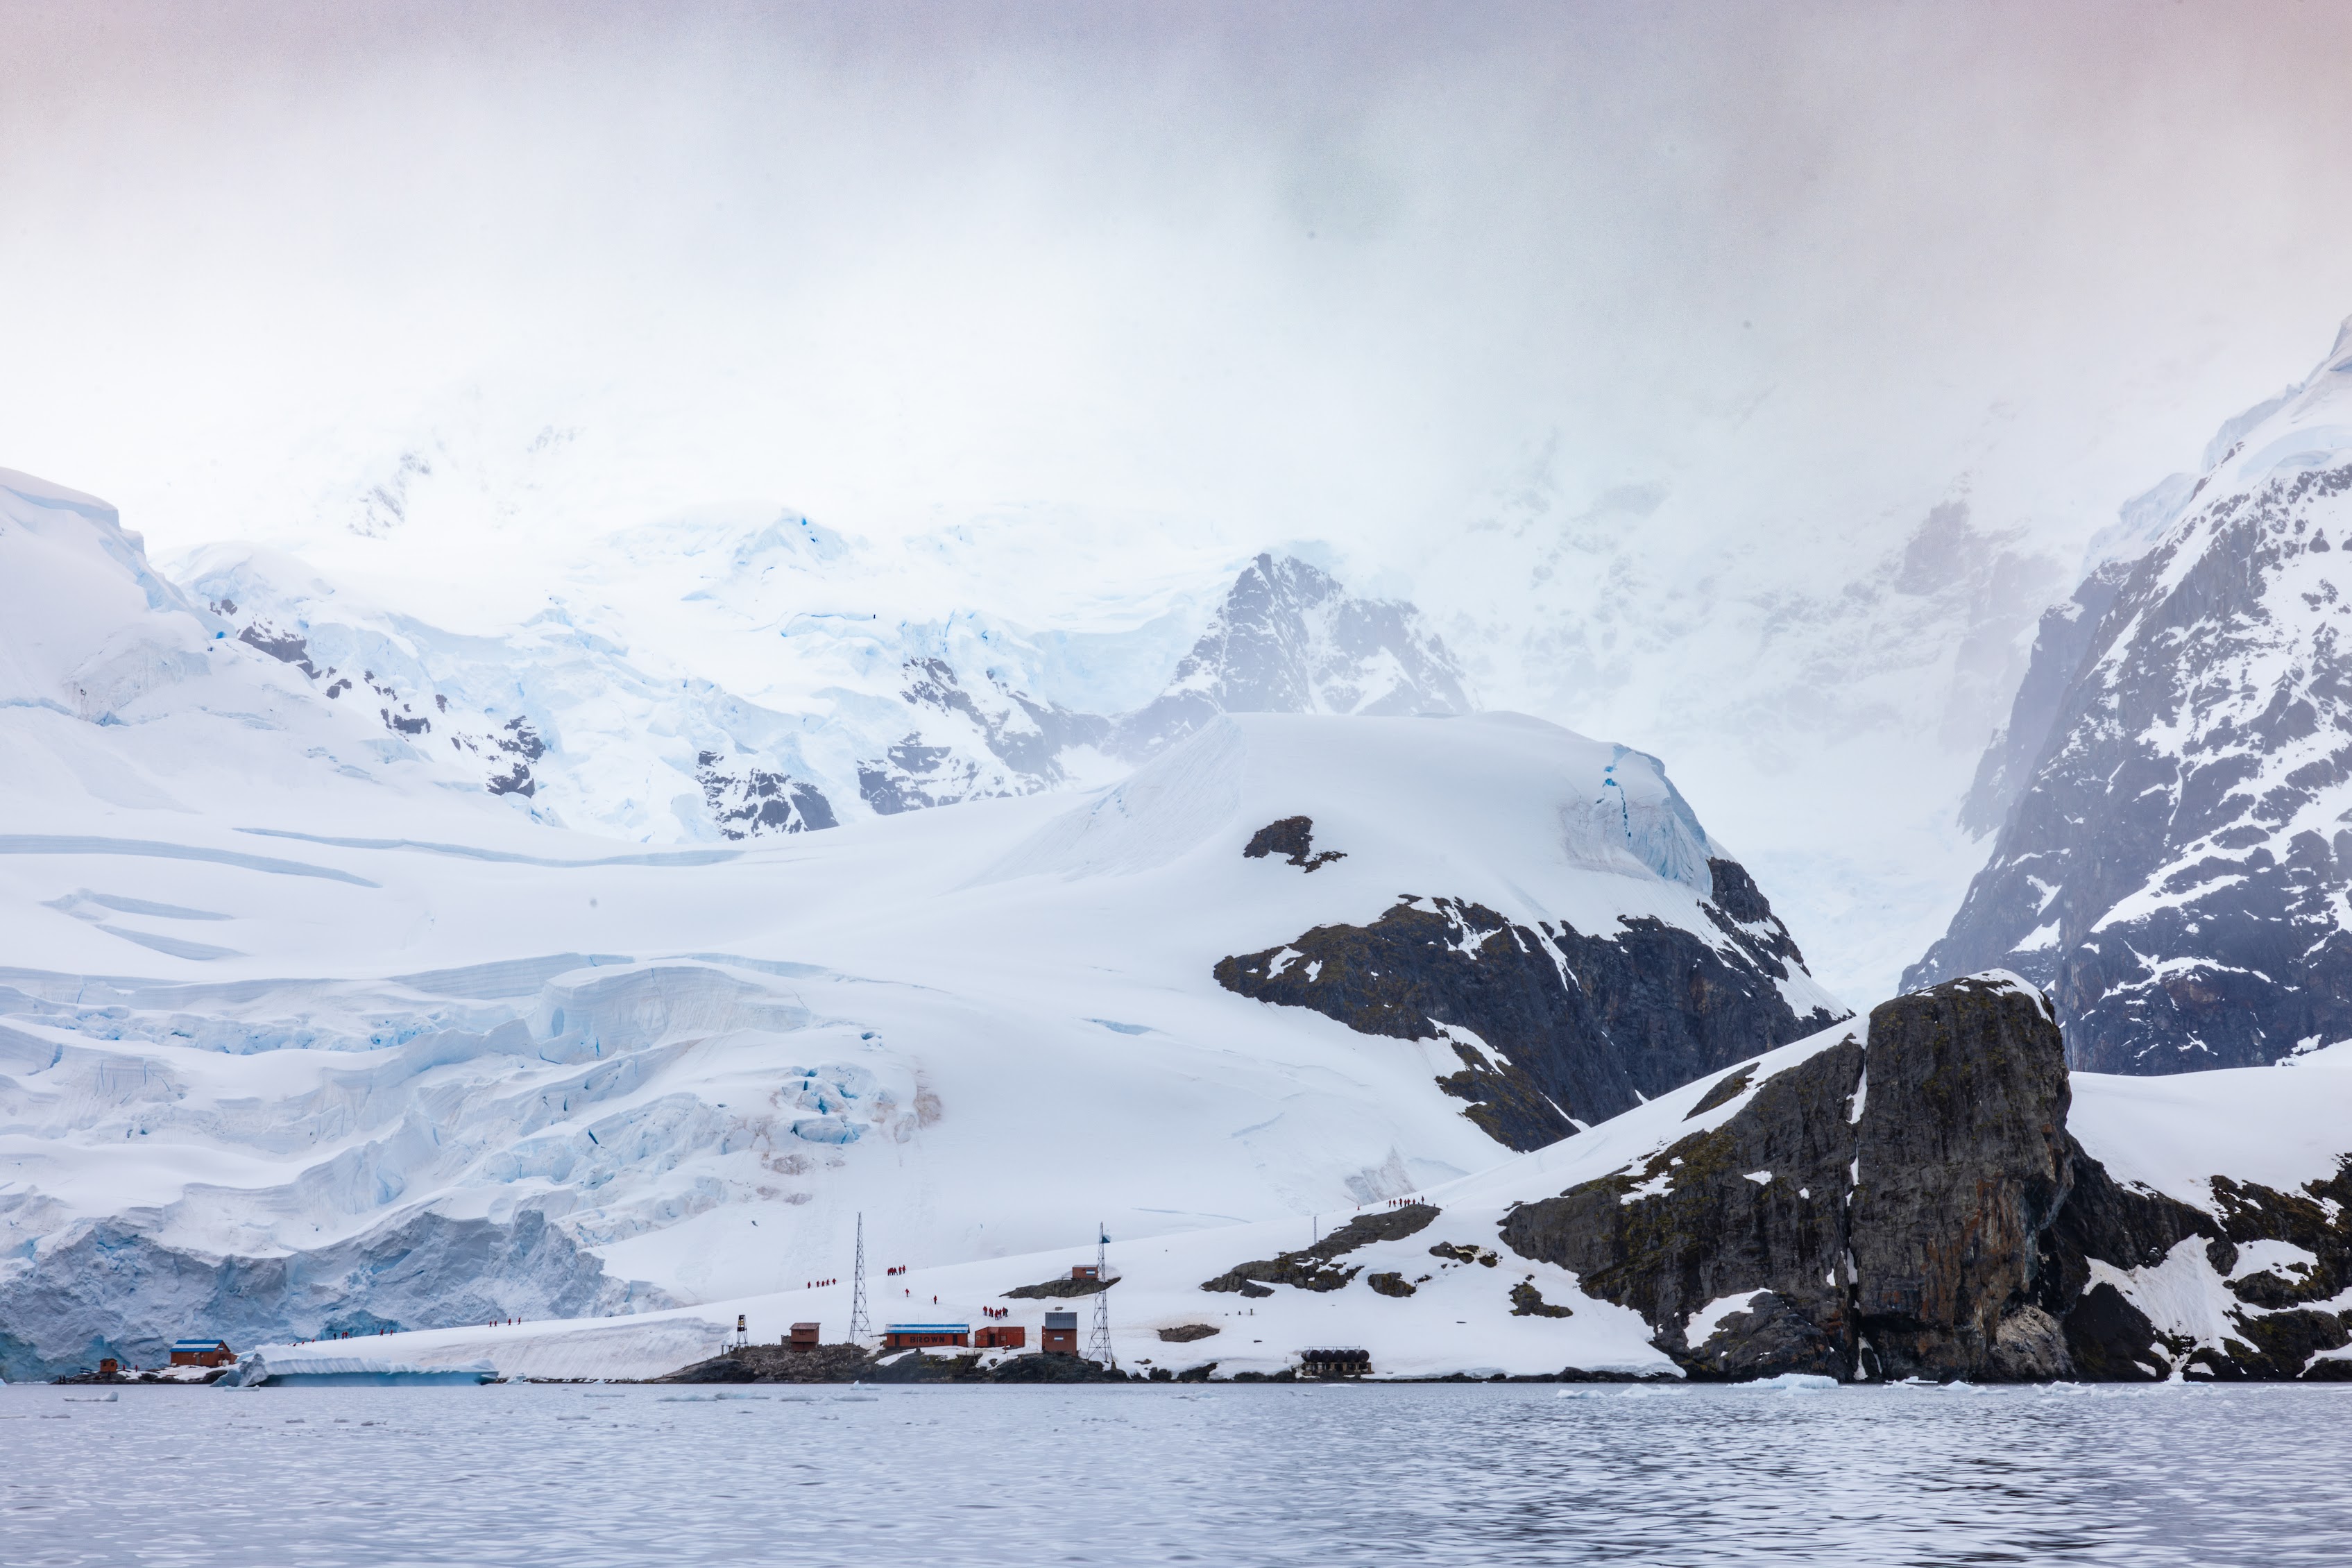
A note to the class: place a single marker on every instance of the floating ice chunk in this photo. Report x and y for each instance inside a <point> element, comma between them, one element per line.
<point>1795,1382</point>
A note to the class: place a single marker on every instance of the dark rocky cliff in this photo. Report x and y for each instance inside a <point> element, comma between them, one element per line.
<point>1915,1206</point>
<point>1882,1207</point>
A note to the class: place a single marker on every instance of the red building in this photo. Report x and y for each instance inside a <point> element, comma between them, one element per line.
<point>1001,1337</point>
<point>1061,1336</point>
<point>202,1353</point>
<point>803,1336</point>
<point>914,1336</point>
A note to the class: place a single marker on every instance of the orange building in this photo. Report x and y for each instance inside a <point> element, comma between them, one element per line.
<point>913,1336</point>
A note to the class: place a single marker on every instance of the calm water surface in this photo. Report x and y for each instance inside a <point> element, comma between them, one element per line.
<point>553,1476</point>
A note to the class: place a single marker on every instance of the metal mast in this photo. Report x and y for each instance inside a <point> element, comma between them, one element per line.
<point>859,1329</point>
<point>1099,1339</point>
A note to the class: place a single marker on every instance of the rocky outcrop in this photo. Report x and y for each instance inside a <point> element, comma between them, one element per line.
<point>1060,1289</point>
<point>1293,838</point>
<point>1731,1241</point>
<point>1914,1206</point>
<point>971,742</point>
<point>1315,1268</point>
<point>780,1363</point>
<point>1553,1026</point>
<point>854,1364</point>
<point>1873,1210</point>
<point>1961,1163</point>
<point>749,802</point>
<point>2150,1287</point>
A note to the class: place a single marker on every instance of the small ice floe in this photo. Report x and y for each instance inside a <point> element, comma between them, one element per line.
<point>856,1398</point>
<point>1961,1385</point>
<point>110,1397</point>
<point>1795,1382</point>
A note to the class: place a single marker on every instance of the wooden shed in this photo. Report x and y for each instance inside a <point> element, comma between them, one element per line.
<point>1061,1336</point>
<point>202,1353</point>
<point>803,1336</point>
<point>1001,1337</point>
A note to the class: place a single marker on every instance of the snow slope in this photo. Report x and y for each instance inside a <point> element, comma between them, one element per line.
<point>295,1028</point>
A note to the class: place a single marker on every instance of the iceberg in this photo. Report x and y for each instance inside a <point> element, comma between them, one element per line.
<point>285,1371</point>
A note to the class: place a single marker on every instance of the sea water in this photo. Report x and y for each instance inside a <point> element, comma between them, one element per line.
<point>556,1476</point>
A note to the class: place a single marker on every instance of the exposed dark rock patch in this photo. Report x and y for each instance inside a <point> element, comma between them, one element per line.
<point>747,802</point>
<point>779,1364</point>
<point>1390,1283</point>
<point>1576,1028</point>
<point>1293,838</point>
<point>1730,1087</point>
<point>1060,1289</point>
<point>1527,1301</point>
<point>853,1363</point>
<point>288,647</point>
<point>1312,1267</point>
<point>1458,1253</point>
<point>972,741</point>
<point>1054,1369</point>
<point>1185,1333</point>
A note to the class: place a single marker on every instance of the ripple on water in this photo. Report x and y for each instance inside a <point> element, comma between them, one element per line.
<point>1517,1475</point>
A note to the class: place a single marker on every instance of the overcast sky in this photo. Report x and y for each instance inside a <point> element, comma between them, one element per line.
<point>1718,300</point>
<point>1298,269</point>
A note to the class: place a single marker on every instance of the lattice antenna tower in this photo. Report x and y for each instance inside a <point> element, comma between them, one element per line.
<point>1099,1338</point>
<point>859,1328</point>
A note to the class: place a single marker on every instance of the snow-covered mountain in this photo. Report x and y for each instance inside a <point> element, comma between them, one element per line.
<point>2174,788</point>
<point>304,1026</point>
<point>599,712</point>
